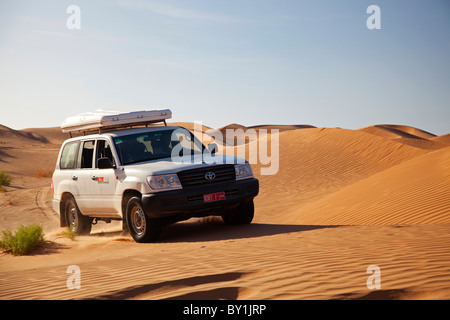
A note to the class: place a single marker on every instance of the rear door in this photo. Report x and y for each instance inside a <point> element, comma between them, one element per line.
<point>65,168</point>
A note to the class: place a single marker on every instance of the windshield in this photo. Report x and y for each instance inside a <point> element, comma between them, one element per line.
<point>154,145</point>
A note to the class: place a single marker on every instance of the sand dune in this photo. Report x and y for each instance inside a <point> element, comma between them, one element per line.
<point>414,192</point>
<point>245,134</point>
<point>426,144</point>
<point>52,135</point>
<point>248,262</point>
<point>18,137</point>
<point>23,152</point>
<point>407,135</point>
<point>445,139</point>
<point>342,200</point>
<point>316,162</point>
<point>281,128</point>
<point>398,131</point>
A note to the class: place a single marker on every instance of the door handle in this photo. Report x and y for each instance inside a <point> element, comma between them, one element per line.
<point>94,178</point>
<point>75,178</point>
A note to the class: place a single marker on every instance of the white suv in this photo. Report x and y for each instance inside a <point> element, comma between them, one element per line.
<point>132,175</point>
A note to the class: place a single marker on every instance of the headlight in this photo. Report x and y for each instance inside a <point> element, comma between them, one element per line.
<point>164,182</point>
<point>243,171</point>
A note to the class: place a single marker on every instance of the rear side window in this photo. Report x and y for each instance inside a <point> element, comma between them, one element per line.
<point>68,155</point>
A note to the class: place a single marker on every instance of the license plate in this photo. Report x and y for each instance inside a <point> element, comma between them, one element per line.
<point>214,197</point>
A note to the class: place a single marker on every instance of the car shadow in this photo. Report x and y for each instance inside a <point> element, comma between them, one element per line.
<point>197,232</point>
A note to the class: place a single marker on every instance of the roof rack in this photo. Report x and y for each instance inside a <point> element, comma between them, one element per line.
<point>102,120</point>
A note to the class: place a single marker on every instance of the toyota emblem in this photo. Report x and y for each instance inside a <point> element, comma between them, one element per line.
<point>210,175</point>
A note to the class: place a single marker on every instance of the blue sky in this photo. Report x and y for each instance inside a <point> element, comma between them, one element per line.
<point>215,61</point>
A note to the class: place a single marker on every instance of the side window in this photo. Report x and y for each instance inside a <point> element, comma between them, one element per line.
<point>68,155</point>
<point>103,151</point>
<point>86,154</point>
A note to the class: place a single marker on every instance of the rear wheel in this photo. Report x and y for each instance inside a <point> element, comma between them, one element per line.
<point>242,214</point>
<point>141,227</point>
<point>76,222</point>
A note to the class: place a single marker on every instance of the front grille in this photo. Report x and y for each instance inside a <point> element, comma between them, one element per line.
<point>196,177</point>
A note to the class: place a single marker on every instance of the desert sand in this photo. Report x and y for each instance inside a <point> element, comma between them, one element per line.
<point>342,200</point>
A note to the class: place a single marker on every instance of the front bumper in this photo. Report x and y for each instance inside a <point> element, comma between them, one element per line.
<point>188,202</point>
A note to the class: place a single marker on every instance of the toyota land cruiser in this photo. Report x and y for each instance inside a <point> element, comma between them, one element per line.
<point>148,177</point>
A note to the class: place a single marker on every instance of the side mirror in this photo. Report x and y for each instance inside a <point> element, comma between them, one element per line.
<point>105,163</point>
<point>213,148</point>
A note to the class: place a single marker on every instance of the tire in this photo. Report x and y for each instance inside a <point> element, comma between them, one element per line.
<point>242,214</point>
<point>142,228</point>
<point>76,222</point>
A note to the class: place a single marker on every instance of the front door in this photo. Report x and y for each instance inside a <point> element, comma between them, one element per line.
<point>94,189</point>
<point>105,183</point>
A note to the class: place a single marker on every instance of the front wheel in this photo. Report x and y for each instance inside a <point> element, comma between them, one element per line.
<point>242,214</point>
<point>76,222</point>
<point>141,227</point>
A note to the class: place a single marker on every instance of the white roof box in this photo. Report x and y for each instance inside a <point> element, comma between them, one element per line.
<point>108,119</point>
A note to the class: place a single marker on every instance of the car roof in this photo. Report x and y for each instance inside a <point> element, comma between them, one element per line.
<point>124,132</point>
<point>119,133</point>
